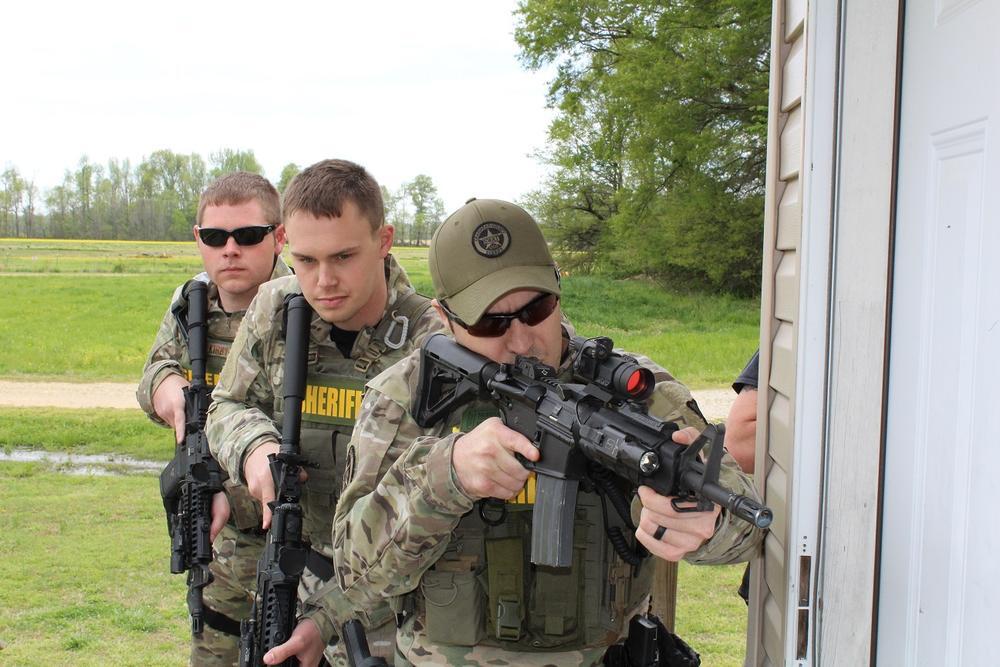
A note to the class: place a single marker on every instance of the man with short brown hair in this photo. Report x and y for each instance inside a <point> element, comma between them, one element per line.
<point>366,316</point>
<point>240,238</point>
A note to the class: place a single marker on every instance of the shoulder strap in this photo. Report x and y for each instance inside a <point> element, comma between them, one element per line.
<point>408,309</point>
<point>393,331</point>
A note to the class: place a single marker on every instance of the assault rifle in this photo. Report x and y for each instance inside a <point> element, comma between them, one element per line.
<point>272,617</point>
<point>589,430</point>
<point>189,481</point>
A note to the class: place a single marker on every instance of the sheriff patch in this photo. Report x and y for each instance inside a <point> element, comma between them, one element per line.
<point>332,400</point>
<point>217,350</point>
<point>211,379</point>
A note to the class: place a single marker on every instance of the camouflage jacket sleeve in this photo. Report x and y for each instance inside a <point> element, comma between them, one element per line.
<point>164,359</point>
<point>395,516</point>
<point>734,540</point>
<point>239,418</point>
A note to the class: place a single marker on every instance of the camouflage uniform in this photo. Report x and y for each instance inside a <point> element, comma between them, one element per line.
<point>406,530</point>
<point>247,402</point>
<point>241,541</point>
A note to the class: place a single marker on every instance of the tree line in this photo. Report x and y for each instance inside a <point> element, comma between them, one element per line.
<point>157,199</point>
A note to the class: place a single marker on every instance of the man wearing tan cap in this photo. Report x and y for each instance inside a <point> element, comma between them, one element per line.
<point>406,527</point>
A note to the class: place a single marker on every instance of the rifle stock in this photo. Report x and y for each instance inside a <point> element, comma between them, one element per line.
<point>192,477</point>
<point>279,570</point>
<point>587,430</point>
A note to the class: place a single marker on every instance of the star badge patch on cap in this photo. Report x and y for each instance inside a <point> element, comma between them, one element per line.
<point>491,239</point>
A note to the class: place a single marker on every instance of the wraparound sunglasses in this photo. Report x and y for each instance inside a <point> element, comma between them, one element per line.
<point>212,236</point>
<point>495,325</point>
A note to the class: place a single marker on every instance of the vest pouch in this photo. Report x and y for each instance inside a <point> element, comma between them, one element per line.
<point>554,613</point>
<point>244,509</point>
<point>317,521</point>
<point>319,493</point>
<point>505,568</point>
<point>454,607</point>
<point>318,446</point>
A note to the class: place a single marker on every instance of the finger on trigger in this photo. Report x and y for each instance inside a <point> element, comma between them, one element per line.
<point>521,445</point>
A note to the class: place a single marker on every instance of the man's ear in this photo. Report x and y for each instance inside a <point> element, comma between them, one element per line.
<point>386,234</point>
<point>279,239</point>
<point>194,230</point>
<point>440,312</point>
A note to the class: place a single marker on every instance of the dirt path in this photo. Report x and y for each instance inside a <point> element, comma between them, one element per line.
<point>714,402</point>
<point>67,394</point>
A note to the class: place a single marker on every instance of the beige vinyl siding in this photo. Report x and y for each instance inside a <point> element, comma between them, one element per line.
<point>779,315</point>
<point>823,312</point>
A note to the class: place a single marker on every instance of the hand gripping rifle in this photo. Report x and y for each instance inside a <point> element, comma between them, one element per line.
<point>189,481</point>
<point>593,430</point>
<point>272,618</point>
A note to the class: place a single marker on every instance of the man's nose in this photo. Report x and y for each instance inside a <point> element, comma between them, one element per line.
<point>327,275</point>
<point>231,247</point>
<point>519,337</point>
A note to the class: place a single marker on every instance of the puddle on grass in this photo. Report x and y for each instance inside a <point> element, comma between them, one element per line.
<point>84,464</point>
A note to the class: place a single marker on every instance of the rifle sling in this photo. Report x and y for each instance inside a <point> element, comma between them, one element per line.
<point>220,622</point>
<point>320,565</point>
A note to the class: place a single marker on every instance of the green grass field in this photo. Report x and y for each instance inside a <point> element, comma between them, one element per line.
<point>79,597</point>
<point>84,557</point>
<point>86,579</point>
<point>84,561</point>
<point>102,431</point>
<point>98,325</point>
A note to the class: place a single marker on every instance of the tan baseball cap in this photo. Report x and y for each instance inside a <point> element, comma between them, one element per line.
<point>485,250</point>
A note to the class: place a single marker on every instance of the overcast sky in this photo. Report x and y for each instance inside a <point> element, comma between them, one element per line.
<point>402,87</point>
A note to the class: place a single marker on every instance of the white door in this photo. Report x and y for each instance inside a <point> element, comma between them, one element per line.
<point>939,595</point>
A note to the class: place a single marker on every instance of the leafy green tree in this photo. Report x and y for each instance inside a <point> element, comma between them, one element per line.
<point>396,214</point>
<point>289,172</point>
<point>11,200</point>
<point>228,160</point>
<point>660,135</point>
<point>85,179</point>
<point>30,198</point>
<point>118,191</point>
<point>59,201</point>
<point>428,209</point>
<point>169,185</point>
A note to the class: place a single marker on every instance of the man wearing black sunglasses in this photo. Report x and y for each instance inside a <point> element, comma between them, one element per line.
<point>240,238</point>
<point>407,527</point>
<point>366,316</point>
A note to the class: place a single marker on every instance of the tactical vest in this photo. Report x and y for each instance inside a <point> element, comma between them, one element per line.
<point>484,589</point>
<point>334,386</point>
<point>218,350</point>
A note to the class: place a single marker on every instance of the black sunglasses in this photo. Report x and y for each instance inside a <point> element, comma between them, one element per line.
<point>534,312</point>
<point>217,238</point>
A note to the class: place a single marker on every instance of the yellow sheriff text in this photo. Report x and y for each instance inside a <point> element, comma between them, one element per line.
<point>333,402</point>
